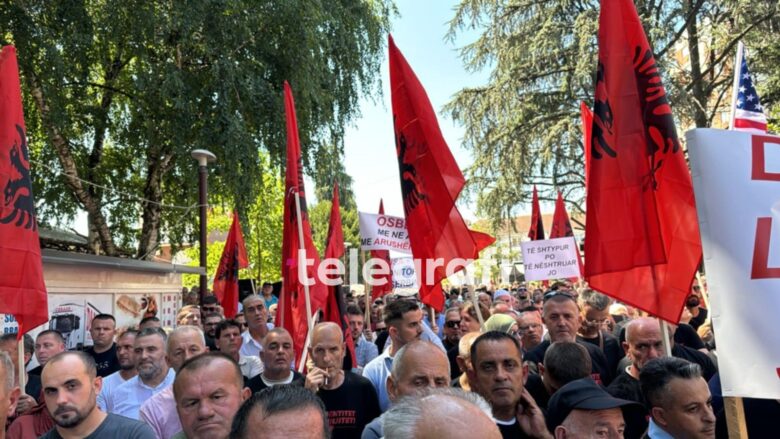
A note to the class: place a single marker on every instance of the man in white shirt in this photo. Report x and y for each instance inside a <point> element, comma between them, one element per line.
<point>228,339</point>
<point>154,374</point>
<point>125,346</point>
<point>256,319</point>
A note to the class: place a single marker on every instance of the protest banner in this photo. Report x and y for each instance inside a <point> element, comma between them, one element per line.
<point>404,274</point>
<point>550,259</point>
<point>383,232</point>
<point>736,178</point>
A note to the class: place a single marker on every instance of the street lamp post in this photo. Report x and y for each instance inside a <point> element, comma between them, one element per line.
<point>203,157</point>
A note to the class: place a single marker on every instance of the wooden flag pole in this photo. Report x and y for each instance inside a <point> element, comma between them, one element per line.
<point>302,259</point>
<point>22,375</point>
<point>735,417</point>
<point>475,302</point>
<point>433,318</point>
<point>665,336</point>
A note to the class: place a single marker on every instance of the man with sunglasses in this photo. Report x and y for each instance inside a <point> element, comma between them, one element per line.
<point>451,339</point>
<point>561,316</point>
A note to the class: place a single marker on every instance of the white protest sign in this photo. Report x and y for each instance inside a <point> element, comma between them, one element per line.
<point>384,232</point>
<point>736,179</point>
<point>550,259</point>
<point>404,274</point>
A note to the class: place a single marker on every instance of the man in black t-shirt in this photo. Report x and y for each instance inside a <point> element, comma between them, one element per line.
<point>594,308</point>
<point>277,354</point>
<point>103,349</point>
<point>350,400</point>
<point>698,314</point>
<point>48,343</point>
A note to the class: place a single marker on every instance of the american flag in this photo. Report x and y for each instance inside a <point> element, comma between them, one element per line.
<point>747,114</point>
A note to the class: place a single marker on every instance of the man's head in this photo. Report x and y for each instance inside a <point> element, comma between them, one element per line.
<point>210,322</point>
<point>327,347</point>
<point>189,315</point>
<point>529,326</point>
<point>564,362</point>
<point>502,296</point>
<point>228,337</point>
<point>255,312</point>
<point>694,299</point>
<point>277,353</point>
<point>497,371</point>
<point>9,391</point>
<point>356,321</point>
<point>125,349</point>
<point>102,331</point>
<point>416,367</point>
<point>594,311</point>
<point>443,413</point>
<point>208,389</point>
<point>70,388</point>
<point>485,299</point>
<point>469,320</point>
<point>561,316</point>
<point>268,289</point>
<point>48,344</point>
<point>464,351</point>
<point>643,342</point>
<point>678,398</point>
<point>149,322</point>
<point>582,410</point>
<point>210,305</point>
<point>10,346</point>
<point>404,322</point>
<point>282,411</point>
<point>149,352</point>
<point>451,328</point>
<point>184,343</point>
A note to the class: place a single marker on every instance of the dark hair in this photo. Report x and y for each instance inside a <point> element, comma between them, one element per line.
<point>86,359</point>
<point>148,319</point>
<point>395,310</point>
<point>29,344</point>
<point>104,317</point>
<point>566,362</point>
<point>210,300</point>
<point>353,310</point>
<point>472,312</point>
<point>56,335</point>
<point>205,359</point>
<point>146,332</point>
<point>274,400</point>
<point>493,336</point>
<point>223,325</point>
<point>658,372</point>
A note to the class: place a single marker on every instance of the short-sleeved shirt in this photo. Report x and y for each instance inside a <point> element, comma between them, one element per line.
<point>257,383</point>
<point>159,412</point>
<point>376,371</point>
<point>129,396</point>
<point>350,407</point>
<point>110,384</point>
<point>115,427</point>
<point>106,362</point>
<point>250,347</point>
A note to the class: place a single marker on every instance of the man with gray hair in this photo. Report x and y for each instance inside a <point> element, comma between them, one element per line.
<point>446,413</point>
<point>281,411</point>
<point>256,316</point>
<point>594,309</point>
<point>9,391</point>
<point>417,367</point>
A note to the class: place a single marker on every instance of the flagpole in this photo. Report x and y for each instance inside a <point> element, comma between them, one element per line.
<point>665,336</point>
<point>302,252</point>
<point>735,91</point>
<point>475,302</point>
<point>22,374</point>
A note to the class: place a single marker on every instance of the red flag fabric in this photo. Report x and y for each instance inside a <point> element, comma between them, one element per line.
<point>430,183</point>
<point>378,291</point>
<point>642,242</point>
<point>561,226</point>
<point>291,309</point>
<point>226,279</point>
<point>536,231</point>
<point>335,310</point>
<point>22,290</point>
<point>587,122</point>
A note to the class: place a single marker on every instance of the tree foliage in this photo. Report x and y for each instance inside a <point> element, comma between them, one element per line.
<point>523,126</point>
<point>117,94</point>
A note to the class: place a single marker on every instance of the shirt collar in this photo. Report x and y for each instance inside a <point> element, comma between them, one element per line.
<point>656,432</point>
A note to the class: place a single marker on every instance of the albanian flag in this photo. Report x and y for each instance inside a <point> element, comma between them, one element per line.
<point>642,242</point>
<point>336,310</point>
<point>536,231</point>
<point>226,279</point>
<point>22,290</point>
<point>430,183</point>
<point>378,291</point>
<point>291,309</point>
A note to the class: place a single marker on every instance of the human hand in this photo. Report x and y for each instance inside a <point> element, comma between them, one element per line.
<point>25,404</point>
<point>316,378</point>
<point>530,417</point>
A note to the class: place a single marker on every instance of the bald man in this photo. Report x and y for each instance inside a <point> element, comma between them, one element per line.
<point>417,367</point>
<point>9,391</point>
<point>350,400</point>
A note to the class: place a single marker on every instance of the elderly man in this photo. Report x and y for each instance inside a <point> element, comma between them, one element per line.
<point>464,361</point>
<point>529,326</point>
<point>159,411</point>
<point>404,325</point>
<point>154,374</point>
<point>48,343</point>
<point>32,390</point>
<point>9,391</point>
<point>256,316</point>
<point>103,349</point>
<point>282,411</point>
<point>71,386</point>
<point>582,410</point>
<point>125,347</point>
<point>349,399</point>
<point>277,355</point>
<point>417,367</point>
<point>445,413</point>
<point>498,375</point>
<point>679,400</point>
<point>209,389</point>
<point>229,340</point>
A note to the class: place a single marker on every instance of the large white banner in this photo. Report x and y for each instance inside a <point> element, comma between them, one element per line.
<point>736,177</point>
<point>383,232</point>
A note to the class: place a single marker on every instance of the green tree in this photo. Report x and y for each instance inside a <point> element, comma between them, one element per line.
<point>117,93</point>
<point>523,126</point>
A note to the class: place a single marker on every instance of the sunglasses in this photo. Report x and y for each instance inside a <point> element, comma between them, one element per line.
<point>552,294</point>
<point>452,324</point>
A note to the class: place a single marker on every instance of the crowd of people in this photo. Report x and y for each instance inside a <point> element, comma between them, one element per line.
<point>567,362</point>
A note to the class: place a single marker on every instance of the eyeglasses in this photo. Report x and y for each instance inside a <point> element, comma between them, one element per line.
<point>210,308</point>
<point>452,323</point>
<point>556,293</point>
<point>525,328</point>
<point>598,322</point>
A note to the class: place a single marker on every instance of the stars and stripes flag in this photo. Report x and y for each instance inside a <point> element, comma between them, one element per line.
<point>747,114</point>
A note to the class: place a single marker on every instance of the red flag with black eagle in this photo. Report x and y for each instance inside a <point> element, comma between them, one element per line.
<point>642,242</point>
<point>291,309</point>
<point>536,231</point>
<point>226,279</point>
<point>22,290</point>
<point>430,183</point>
<point>378,291</point>
<point>561,226</point>
<point>336,310</point>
